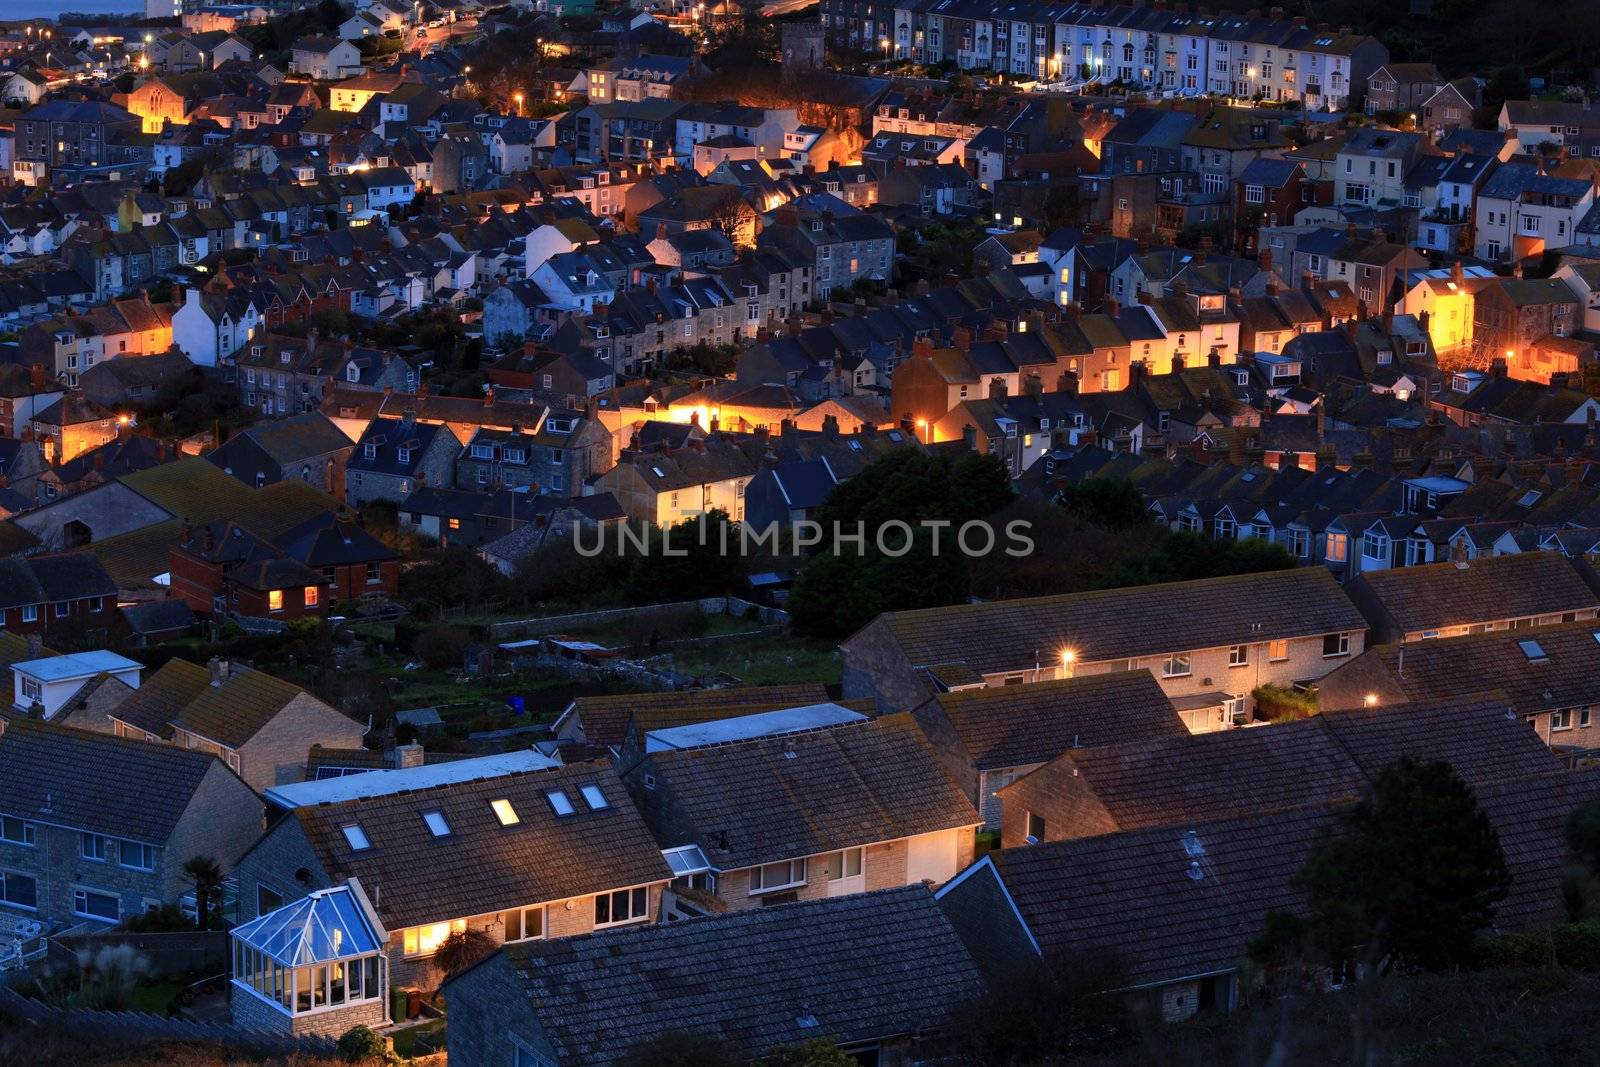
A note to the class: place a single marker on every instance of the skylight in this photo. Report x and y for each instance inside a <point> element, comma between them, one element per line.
<point>593,797</point>
<point>437,825</point>
<point>504,812</point>
<point>559,801</point>
<point>1534,651</point>
<point>357,837</point>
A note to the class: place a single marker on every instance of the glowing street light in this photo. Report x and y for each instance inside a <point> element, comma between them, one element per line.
<point>1068,658</point>
<point>1370,700</point>
<point>518,98</point>
<point>883,42</point>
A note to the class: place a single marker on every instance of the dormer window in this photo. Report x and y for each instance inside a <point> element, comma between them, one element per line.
<point>370,450</point>
<point>405,456</point>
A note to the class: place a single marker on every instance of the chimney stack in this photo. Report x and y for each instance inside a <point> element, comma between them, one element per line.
<point>407,756</point>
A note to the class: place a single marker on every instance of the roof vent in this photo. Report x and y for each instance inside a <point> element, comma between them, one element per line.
<point>1191,844</point>
<point>1194,872</point>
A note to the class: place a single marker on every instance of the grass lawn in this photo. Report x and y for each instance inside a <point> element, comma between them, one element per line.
<point>154,997</point>
<point>763,660</point>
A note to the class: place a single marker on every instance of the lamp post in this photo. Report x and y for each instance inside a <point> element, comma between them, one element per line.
<point>883,42</point>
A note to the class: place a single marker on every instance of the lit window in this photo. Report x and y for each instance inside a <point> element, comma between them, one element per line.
<point>425,940</point>
<point>275,600</point>
<point>311,596</point>
<point>504,812</point>
<point>356,836</point>
<point>437,826</point>
<point>1278,651</point>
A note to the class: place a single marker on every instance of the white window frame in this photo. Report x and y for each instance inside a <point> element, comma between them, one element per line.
<point>1239,656</point>
<point>794,872</point>
<point>80,899</point>
<point>1177,665</point>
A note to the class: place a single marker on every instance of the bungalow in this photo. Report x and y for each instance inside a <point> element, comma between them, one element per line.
<point>1217,640</point>
<point>554,851</point>
<point>97,829</point>
<point>801,804</point>
<point>771,976</point>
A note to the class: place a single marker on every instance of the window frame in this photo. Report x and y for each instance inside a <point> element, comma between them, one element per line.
<point>759,885</point>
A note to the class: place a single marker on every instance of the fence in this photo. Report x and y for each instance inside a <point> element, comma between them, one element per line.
<point>175,952</point>
<point>123,1026</point>
<point>554,624</point>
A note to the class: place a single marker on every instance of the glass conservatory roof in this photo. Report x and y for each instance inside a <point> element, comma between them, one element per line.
<point>330,924</point>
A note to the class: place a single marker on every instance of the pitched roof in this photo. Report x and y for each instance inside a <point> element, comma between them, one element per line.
<point>800,794</point>
<point>1564,672</point>
<point>1175,903</point>
<point>854,968</point>
<point>97,782</point>
<point>162,696</point>
<point>605,719</point>
<point>1125,623</point>
<point>1494,587</point>
<point>232,713</point>
<point>482,866</point>
<point>1015,725</point>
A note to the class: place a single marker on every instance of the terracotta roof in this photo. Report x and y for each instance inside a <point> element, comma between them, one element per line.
<point>854,968</point>
<point>605,719</point>
<point>1015,725</point>
<point>1495,587</point>
<point>482,866</point>
<point>1125,623</point>
<point>800,794</point>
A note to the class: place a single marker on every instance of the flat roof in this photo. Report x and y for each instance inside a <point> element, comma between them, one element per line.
<point>76,665</point>
<point>746,727</point>
<point>379,783</point>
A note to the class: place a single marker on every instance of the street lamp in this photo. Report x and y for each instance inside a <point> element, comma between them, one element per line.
<point>883,42</point>
<point>1068,658</point>
<point>1370,700</point>
<point>518,98</point>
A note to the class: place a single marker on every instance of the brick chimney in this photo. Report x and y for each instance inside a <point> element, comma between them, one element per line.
<point>407,756</point>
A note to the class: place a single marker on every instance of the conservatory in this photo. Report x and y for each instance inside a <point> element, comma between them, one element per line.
<point>314,966</point>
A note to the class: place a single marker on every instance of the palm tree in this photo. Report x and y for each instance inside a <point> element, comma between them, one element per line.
<point>207,878</point>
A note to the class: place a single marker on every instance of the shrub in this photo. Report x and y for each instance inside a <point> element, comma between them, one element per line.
<point>442,646</point>
<point>1276,703</point>
<point>1577,945</point>
<point>361,1043</point>
<point>461,950</point>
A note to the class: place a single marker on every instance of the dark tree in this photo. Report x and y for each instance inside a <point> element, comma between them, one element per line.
<point>1114,503</point>
<point>1409,876</point>
<point>1046,1012</point>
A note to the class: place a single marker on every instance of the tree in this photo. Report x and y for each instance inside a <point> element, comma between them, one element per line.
<point>1409,876</point>
<point>206,877</point>
<point>461,950</point>
<point>843,588</point>
<point>1114,503</point>
<point>696,558</point>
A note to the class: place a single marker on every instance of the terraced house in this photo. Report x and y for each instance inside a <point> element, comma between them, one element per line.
<point>96,829</point>
<point>521,855</point>
<point>1248,55</point>
<point>1210,643</point>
